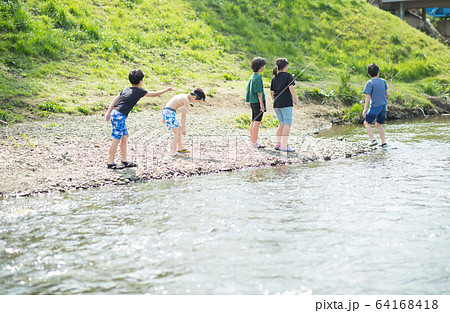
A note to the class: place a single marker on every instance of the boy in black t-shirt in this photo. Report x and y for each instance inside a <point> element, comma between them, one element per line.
<point>118,111</point>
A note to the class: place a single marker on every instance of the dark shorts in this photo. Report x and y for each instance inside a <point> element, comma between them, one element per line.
<point>257,114</point>
<point>378,113</point>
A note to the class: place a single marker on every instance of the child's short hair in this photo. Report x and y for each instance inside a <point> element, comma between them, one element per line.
<point>257,63</point>
<point>373,69</point>
<point>135,76</point>
<point>198,93</point>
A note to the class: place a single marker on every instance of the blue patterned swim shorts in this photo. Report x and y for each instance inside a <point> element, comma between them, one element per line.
<point>169,117</point>
<point>119,128</point>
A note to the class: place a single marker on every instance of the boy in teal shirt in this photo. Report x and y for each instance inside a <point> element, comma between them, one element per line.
<point>255,96</point>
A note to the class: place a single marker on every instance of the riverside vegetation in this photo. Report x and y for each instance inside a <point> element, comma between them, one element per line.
<point>58,56</point>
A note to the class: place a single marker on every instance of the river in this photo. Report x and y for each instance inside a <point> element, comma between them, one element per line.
<point>374,224</point>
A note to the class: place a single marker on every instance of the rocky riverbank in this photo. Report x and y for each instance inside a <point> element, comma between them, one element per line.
<point>68,153</point>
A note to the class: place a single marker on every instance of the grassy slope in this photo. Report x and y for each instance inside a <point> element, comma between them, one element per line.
<point>73,55</point>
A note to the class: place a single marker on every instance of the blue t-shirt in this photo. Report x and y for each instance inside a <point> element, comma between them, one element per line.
<point>376,89</point>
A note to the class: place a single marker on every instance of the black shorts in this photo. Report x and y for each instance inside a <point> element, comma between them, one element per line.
<point>257,114</point>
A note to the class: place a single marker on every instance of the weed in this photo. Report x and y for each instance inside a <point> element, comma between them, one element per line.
<point>84,110</point>
<point>155,107</point>
<point>211,93</point>
<point>318,94</point>
<point>229,77</point>
<point>354,114</point>
<point>28,140</point>
<point>136,110</point>
<point>244,121</point>
<point>434,88</point>
<point>52,107</point>
<point>9,117</point>
<point>50,125</point>
<point>344,91</point>
<point>269,121</point>
<point>15,143</point>
<point>395,39</point>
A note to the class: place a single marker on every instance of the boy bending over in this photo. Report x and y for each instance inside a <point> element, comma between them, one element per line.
<point>169,118</point>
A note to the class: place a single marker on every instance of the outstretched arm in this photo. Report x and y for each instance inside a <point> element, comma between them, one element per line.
<point>158,93</point>
<point>111,106</point>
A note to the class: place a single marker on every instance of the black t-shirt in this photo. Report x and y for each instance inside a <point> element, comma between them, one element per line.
<point>280,86</point>
<point>128,99</point>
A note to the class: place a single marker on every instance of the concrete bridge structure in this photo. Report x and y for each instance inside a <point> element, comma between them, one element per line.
<point>399,7</point>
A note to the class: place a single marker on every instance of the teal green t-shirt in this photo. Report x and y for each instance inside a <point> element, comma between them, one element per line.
<point>255,85</point>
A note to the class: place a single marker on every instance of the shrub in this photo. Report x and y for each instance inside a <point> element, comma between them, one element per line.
<point>84,110</point>
<point>7,116</point>
<point>354,114</point>
<point>243,121</point>
<point>318,94</point>
<point>344,91</point>
<point>269,121</point>
<point>434,88</point>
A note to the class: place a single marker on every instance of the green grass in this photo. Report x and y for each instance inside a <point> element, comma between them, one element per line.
<point>78,54</point>
<point>244,121</point>
<point>354,114</point>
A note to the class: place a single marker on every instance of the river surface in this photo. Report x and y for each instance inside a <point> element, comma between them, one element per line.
<point>374,224</point>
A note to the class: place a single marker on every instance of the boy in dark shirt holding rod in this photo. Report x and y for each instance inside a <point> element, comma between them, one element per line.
<point>118,111</point>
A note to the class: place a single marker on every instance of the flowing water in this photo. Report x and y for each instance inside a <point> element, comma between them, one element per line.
<point>374,224</point>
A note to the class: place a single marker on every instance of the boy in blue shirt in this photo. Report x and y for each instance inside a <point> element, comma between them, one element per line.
<point>118,111</point>
<point>377,94</point>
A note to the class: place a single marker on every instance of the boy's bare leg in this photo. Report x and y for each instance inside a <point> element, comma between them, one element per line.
<point>112,150</point>
<point>285,135</point>
<point>369,130</point>
<point>123,148</point>
<point>180,144</point>
<point>381,131</point>
<point>254,130</point>
<point>279,133</point>
<point>176,138</point>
